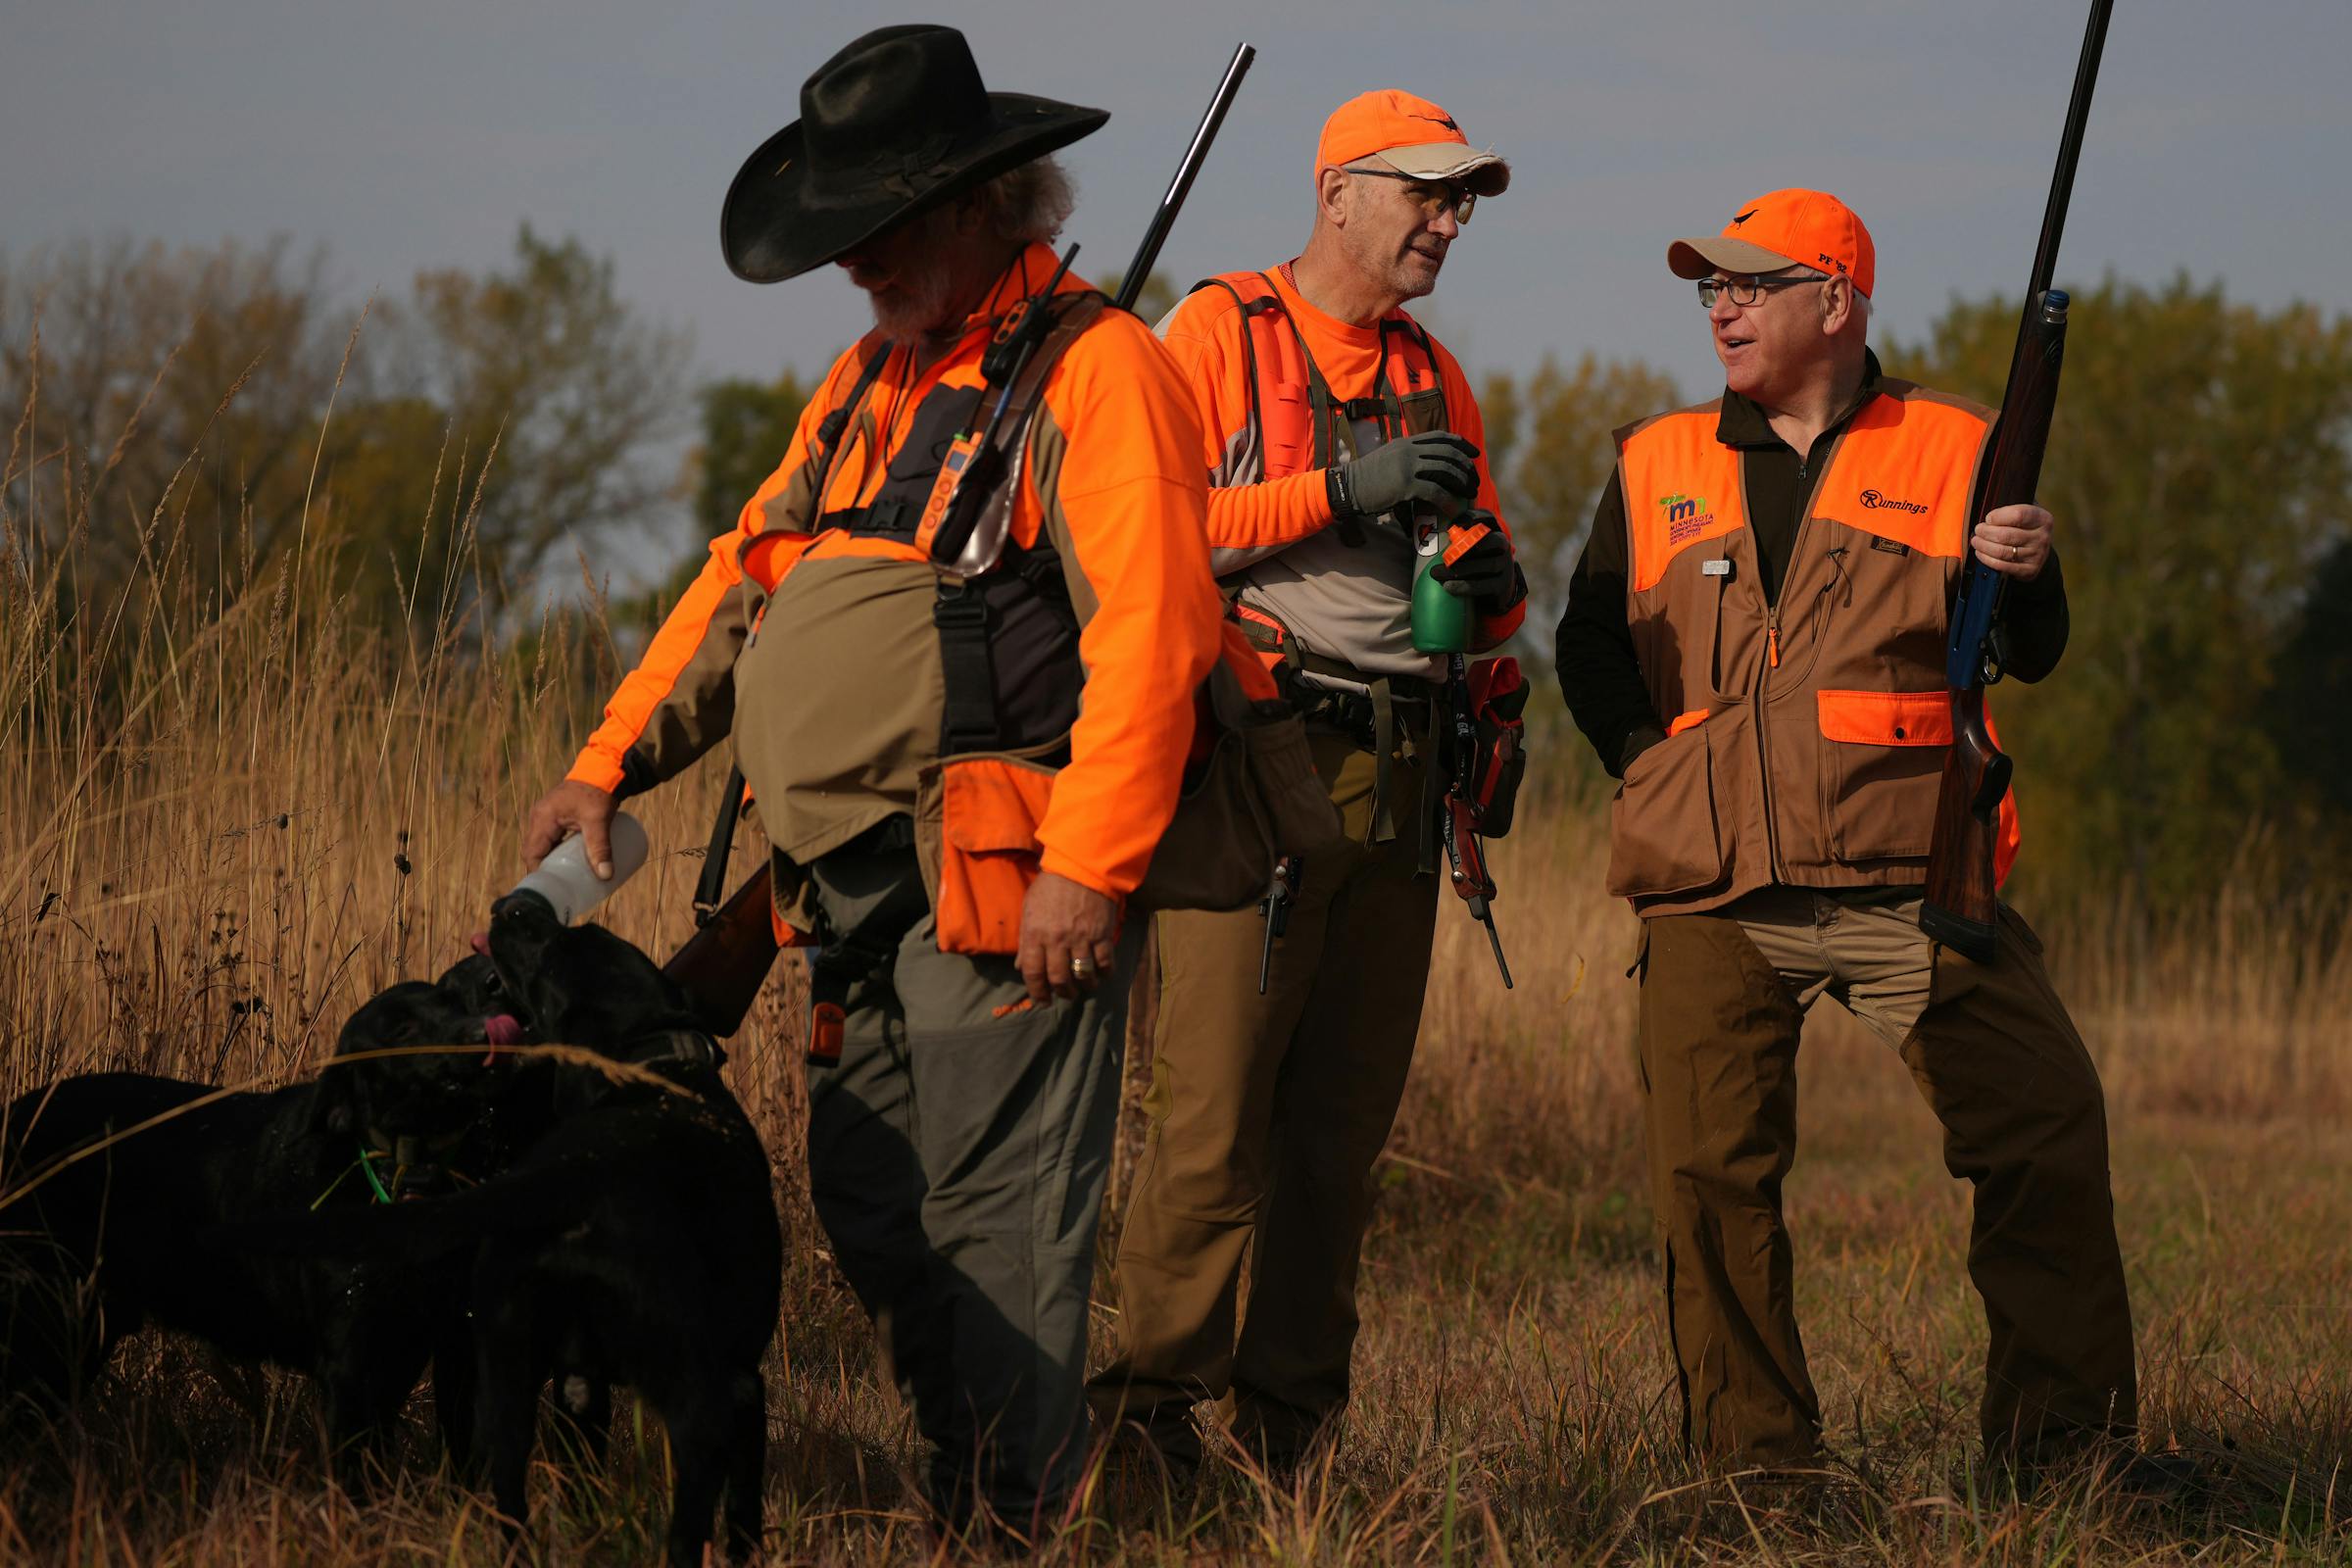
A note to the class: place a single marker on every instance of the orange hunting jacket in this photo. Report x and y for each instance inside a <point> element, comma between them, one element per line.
<point>1111,479</point>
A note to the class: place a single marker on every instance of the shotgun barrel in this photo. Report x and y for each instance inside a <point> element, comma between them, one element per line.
<point>1961,907</point>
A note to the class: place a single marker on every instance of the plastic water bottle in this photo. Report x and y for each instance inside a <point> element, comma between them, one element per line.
<point>566,880</point>
<point>1441,623</point>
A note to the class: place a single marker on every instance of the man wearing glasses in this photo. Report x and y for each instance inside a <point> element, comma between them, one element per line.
<point>1335,427</point>
<point>1755,644</point>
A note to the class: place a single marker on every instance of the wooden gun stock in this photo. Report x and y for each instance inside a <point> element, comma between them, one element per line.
<point>1962,909</point>
<point>722,966</point>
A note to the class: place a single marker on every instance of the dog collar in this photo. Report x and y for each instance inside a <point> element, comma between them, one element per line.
<point>686,1048</point>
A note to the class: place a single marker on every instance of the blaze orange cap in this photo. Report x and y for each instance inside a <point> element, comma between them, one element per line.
<point>1412,137</point>
<point>1785,229</point>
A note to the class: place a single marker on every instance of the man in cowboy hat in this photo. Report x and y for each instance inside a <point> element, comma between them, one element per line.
<point>901,672</point>
<point>1329,415</point>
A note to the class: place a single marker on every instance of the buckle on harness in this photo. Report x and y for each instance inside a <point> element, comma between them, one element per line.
<point>961,615</point>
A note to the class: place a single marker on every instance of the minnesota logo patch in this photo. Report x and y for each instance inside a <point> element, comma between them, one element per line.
<point>1687,518</point>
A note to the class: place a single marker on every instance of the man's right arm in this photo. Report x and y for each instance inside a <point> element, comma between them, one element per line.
<point>1600,678</point>
<point>680,700</point>
<point>1249,518</point>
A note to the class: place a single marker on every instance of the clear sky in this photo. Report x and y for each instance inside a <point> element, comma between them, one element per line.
<point>420,132</point>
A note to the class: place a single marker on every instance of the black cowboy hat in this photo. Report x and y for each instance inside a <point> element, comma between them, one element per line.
<point>892,126</point>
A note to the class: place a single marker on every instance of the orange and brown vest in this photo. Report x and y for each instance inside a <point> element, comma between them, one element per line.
<point>1806,738</point>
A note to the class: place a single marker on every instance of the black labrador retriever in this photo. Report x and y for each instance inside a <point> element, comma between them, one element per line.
<point>114,1185</point>
<point>634,1243</point>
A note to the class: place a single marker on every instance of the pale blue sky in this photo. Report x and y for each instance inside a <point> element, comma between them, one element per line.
<point>420,132</point>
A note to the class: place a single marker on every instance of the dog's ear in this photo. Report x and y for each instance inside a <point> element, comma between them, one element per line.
<point>335,1102</point>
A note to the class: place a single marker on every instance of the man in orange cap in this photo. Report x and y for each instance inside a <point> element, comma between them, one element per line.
<point>1754,643</point>
<point>1339,434</point>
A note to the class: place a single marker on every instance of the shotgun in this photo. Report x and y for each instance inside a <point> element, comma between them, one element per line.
<point>723,965</point>
<point>1961,906</point>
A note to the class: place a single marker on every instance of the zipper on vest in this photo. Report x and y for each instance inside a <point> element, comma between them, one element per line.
<point>1772,623</point>
<point>1772,635</point>
<point>1772,826</point>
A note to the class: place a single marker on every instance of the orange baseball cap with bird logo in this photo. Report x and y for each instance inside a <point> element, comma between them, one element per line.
<point>1785,229</point>
<point>1412,137</point>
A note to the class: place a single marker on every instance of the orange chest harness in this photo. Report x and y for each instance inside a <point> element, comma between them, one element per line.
<point>1296,433</point>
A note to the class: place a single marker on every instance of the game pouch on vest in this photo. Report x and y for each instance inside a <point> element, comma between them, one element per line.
<point>1250,793</point>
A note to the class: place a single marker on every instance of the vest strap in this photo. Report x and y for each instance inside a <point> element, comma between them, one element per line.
<point>836,425</point>
<point>968,716</point>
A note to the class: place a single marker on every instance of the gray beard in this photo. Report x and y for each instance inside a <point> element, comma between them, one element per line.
<point>914,310</point>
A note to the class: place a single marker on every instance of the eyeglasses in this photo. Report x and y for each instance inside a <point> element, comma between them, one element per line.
<point>1435,195</point>
<point>1746,290</point>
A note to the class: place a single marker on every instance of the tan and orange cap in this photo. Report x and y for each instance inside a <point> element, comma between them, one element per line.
<point>1412,137</point>
<point>1785,229</point>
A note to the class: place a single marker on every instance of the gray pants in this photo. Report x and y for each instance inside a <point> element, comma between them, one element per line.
<point>957,1155</point>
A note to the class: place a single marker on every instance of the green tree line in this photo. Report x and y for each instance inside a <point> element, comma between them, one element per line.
<point>224,402</point>
<point>484,426</point>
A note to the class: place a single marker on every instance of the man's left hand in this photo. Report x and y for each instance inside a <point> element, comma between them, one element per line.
<point>2015,541</point>
<point>1070,937</point>
<point>1485,573</point>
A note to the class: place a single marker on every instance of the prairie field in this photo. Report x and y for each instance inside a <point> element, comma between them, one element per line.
<point>236,812</point>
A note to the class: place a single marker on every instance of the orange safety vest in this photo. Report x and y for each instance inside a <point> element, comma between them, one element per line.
<point>1301,425</point>
<point>1806,737</point>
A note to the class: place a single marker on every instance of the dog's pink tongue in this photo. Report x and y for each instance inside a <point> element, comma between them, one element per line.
<point>481,942</point>
<point>502,1029</point>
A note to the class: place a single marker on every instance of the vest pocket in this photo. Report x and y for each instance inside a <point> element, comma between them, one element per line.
<point>1664,833</point>
<point>1881,765</point>
<point>976,821</point>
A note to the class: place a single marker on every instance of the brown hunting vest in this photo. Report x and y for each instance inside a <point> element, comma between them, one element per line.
<point>1805,739</point>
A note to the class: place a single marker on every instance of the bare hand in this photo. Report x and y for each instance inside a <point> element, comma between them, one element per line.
<point>1070,937</point>
<point>2015,541</point>
<point>570,807</point>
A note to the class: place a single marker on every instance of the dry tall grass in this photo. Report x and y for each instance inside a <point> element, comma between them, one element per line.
<point>236,817</point>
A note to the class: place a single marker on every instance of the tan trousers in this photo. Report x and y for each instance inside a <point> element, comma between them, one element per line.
<point>1723,997</point>
<point>1267,1113</point>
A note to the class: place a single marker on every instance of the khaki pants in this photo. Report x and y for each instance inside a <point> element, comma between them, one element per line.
<point>1267,1113</point>
<point>1991,1047</point>
<point>956,1155</point>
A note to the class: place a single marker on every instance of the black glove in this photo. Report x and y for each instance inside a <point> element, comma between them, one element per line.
<point>1486,572</point>
<point>1433,469</point>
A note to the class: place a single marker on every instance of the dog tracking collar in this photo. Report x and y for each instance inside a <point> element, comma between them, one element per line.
<point>687,1048</point>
